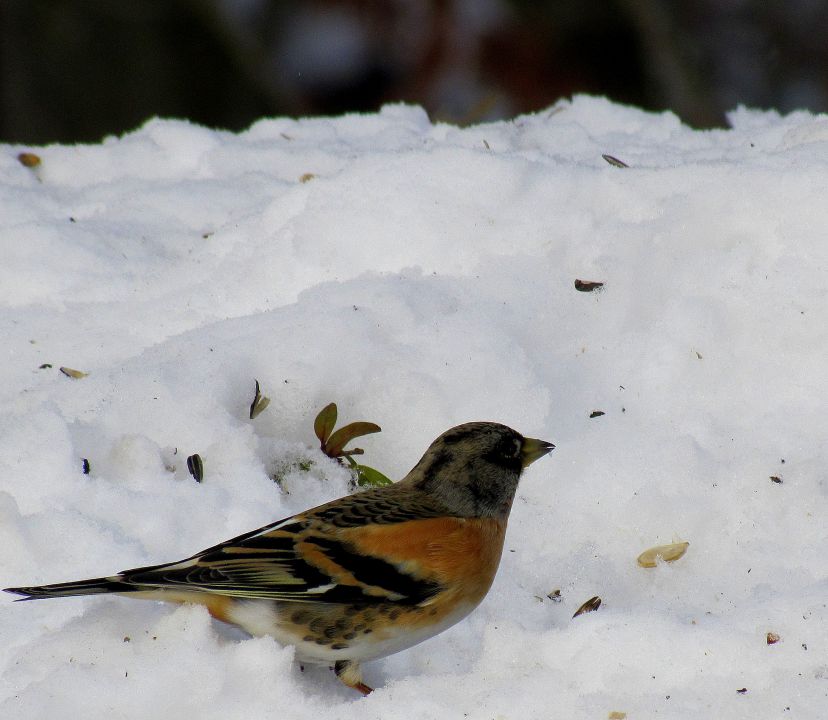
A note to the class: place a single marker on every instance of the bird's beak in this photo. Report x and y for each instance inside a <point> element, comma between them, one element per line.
<point>533,449</point>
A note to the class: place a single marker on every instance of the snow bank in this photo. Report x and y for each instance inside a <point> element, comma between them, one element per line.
<point>421,276</point>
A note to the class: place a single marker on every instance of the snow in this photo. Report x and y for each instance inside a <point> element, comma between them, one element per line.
<point>421,276</point>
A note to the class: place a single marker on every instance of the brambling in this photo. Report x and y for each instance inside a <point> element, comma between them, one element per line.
<point>363,576</point>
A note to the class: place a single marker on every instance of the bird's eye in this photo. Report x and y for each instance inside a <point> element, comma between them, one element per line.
<point>511,448</point>
<point>506,453</point>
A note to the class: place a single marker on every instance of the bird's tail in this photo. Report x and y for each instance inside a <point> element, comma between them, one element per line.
<point>93,586</point>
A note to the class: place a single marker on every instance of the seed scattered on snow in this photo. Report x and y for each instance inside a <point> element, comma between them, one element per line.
<point>76,374</point>
<point>590,605</point>
<point>588,285</point>
<point>614,161</point>
<point>29,160</point>
<point>196,467</point>
<point>259,404</point>
<point>668,553</point>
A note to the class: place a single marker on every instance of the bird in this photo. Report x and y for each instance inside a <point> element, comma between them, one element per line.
<point>361,577</point>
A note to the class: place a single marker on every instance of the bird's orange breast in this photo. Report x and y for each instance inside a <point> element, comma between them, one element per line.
<point>461,554</point>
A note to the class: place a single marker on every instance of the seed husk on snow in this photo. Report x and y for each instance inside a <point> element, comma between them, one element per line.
<point>260,402</point>
<point>614,161</point>
<point>196,467</point>
<point>590,605</point>
<point>668,553</point>
<point>588,285</point>
<point>76,374</point>
<point>29,159</point>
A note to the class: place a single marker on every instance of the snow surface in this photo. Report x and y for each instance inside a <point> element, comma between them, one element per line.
<point>420,276</point>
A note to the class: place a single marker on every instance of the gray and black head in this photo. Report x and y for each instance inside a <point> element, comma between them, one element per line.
<point>473,469</point>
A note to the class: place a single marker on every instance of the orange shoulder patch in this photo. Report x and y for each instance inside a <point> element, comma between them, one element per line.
<point>451,551</point>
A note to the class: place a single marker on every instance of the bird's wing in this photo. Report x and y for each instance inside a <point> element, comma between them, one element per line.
<point>314,556</point>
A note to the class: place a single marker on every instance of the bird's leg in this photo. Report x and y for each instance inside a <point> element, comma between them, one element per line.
<point>349,672</point>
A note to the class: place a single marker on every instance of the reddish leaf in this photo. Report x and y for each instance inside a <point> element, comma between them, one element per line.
<point>324,424</point>
<point>336,443</point>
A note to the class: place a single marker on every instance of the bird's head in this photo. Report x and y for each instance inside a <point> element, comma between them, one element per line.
<point>473,469</point>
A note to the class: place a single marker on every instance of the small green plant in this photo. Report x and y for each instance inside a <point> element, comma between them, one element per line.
<point>283,466</point>
<point>332,443</point>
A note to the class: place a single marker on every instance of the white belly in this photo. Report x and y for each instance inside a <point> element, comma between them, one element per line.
<point>267,618</point>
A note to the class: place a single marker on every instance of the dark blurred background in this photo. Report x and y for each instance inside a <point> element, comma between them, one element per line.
<point>77,70</point>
